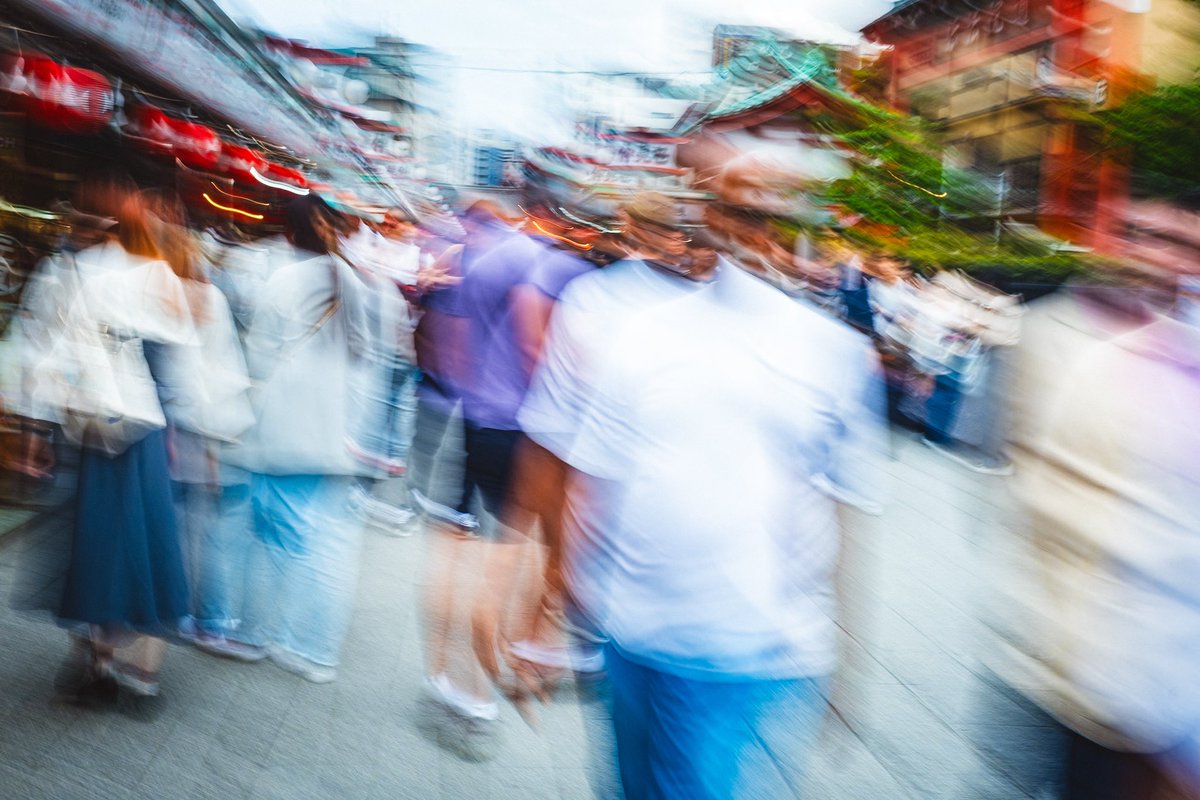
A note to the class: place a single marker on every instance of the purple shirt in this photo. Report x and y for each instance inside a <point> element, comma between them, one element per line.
<point>499,376</point>
<point>556,269</point>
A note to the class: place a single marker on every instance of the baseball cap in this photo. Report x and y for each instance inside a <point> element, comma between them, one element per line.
<point>654,208</point>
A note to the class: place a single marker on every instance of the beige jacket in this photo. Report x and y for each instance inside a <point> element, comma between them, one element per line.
<point>1103,602</point>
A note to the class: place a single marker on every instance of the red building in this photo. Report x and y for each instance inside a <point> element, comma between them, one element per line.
<point>1013,83</point>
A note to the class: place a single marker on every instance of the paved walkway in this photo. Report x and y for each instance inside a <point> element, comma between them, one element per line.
<point>234,731</point>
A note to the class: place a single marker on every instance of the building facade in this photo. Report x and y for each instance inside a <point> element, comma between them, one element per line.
<point>1014,83</point>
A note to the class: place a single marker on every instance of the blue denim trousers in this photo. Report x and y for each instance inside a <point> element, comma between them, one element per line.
<point>941,410</point>
<point>219,543</point>
<point>685,739</point>
<point>306,568</point>
<point>388,410</point>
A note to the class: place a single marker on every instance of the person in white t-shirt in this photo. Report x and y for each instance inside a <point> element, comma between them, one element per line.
<point>702,440</point>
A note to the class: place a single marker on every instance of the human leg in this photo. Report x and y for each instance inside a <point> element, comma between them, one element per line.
<point>942,408</point>
<point>632,687</point>
<point>313,543</point>
<point>682,738</point>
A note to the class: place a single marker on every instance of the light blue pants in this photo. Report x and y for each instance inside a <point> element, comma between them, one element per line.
<point>219,543</point>
<point>388,408</point>
<point>306,569</point>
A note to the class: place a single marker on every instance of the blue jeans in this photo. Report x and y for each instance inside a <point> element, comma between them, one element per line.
<point>685,739</point>
<point>389,407</point>
<point>306,571</point>
<point>941,410</point>
<point>219,543</point>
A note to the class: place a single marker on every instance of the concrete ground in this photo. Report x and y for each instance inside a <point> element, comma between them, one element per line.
<point>914,695</point>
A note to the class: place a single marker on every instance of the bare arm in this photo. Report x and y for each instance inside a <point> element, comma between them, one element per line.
<point>531,315</point>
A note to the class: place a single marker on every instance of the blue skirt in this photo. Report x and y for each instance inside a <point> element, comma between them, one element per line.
<point>126,567</point>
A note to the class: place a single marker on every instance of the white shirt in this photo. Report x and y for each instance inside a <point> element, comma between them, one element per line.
<point>701,538</point>
<point>591,311</point>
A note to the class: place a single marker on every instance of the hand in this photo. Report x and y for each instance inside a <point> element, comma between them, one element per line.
<point>492,650</point>
<point>434,277</point>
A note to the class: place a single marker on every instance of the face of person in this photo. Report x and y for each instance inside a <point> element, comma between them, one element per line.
<point>328,229</point>
<point>703,261</point>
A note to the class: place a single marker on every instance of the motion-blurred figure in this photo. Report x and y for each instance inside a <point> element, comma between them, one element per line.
<point>126,586</point>
<point>206,402</point>
<point>495,261</point>
<point>1101,622</point>
<point>385,403</point>
<point>699,434</point>
<point>305,350</point>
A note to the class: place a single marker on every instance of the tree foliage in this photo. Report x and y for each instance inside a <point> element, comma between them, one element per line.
<point>1160,129</point>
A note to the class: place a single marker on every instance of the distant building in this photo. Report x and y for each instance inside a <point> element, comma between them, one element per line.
<point>1007,82</point>
<point>493,160</point>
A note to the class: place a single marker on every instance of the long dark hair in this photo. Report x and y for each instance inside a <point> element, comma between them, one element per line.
<point>302,215</point>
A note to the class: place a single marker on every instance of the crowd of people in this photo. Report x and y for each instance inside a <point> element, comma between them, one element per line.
<point>672,442</point>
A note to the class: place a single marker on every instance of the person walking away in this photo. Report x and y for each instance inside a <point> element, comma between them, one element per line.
<point>126,587</point>
<point>304,350</point>
<point>207,405</point>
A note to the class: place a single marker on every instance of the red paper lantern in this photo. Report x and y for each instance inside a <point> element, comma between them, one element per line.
<point>62,98</point>
<point>196,145</point>
<point>238,161</point>
<point>292,177</point>
<point>153,130</point>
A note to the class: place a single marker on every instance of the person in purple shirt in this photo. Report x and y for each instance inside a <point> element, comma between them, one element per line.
<point>501,309</point>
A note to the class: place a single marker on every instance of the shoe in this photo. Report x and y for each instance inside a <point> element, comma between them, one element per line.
<point>444,514</point>
<point>218,645</point>
<point>299,665</point>
<point>462,703</point>
<point>971,458</point>
<point>392,518</point>
<point>370,459</point>
<point>575,656</point>
<point>991,465</point>
<point>135,681</point>
<point>459,722</point>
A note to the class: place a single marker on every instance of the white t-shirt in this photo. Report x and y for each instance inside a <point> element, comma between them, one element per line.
<point>702,530</point>
<point>591,311</point>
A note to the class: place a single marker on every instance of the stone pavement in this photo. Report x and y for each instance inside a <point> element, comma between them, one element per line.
<point>232,731</point>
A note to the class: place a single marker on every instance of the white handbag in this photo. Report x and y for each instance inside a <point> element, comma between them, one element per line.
<point>113,402</point>
<point>95,374</point>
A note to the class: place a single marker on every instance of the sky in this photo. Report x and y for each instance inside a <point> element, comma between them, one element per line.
<point>507,55</point>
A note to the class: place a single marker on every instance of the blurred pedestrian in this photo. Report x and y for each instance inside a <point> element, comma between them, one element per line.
<point>126,587</point>
<point>207,405</point>
<point>305,349</point>
<point>712,582</point>
<point>1100,614</point>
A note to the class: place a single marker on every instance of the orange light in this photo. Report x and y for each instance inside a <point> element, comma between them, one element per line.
<point>913,185</point>
<point>239,197</point>
<point>572,242</point>
<point>230,209</point>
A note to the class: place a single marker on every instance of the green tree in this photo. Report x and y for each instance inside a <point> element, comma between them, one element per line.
<point>1160,129</point>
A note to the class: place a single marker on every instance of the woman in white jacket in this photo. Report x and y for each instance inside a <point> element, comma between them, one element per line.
<point>304,350</point>
<point>126,588</point>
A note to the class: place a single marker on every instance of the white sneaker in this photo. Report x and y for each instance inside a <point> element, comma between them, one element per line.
<point>383,514</point>
<point>218,645</point>
<point>444,513</point>
<point>299,665</point>
<point>381,511</point>
<point>462,703</point>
